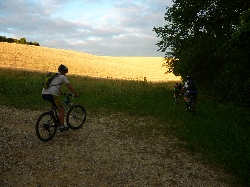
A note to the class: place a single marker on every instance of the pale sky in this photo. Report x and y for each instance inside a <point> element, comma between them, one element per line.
<point>99,27</point>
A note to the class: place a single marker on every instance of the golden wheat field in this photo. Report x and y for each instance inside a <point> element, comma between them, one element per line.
<point>28,57</point>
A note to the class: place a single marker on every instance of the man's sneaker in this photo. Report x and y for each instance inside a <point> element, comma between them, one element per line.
<point>63,128</point>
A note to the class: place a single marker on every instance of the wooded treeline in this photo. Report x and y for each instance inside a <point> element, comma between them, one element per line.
<point>21,41</point>
<point>210,40</point>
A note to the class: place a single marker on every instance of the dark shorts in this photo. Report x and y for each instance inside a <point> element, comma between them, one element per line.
<point>187,95</point>
<point>55,100</point>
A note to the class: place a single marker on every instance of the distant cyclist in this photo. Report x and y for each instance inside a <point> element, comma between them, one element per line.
<point>191,88</point>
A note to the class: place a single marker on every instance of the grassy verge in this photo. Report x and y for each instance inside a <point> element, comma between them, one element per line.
<point>220,132</point>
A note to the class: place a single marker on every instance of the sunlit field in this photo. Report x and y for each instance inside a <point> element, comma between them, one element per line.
<point>44,59</point>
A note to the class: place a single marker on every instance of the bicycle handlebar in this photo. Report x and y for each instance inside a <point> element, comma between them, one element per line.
<point>67,94</point>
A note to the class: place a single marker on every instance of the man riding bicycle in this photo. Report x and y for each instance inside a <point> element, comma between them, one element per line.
<point>191,88</point>
<point>51,94</point>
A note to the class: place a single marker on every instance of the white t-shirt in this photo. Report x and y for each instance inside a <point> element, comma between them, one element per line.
<point>55,85</point>
<point>185,85</point>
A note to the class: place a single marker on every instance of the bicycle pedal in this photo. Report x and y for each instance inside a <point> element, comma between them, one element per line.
<point>62,129</point>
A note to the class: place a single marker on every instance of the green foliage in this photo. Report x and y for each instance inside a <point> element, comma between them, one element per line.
<point>19,88</point>
<point>210,39</point>
<point>35,43</point>
<point>10,40</point>
<point>3,39</point>
<point>219,132</point>
<point>237,69</point>
<point>21,41</point>
<point>117,95</point>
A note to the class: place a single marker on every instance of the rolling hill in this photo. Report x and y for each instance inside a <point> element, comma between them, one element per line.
<point>28,57</point>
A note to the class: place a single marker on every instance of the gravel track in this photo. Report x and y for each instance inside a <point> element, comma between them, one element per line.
<point>103,152</point>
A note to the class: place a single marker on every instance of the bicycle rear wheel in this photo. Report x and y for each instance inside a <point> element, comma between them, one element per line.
<point>46,127</point>
<point>193,108</point>
<point>76,117</point>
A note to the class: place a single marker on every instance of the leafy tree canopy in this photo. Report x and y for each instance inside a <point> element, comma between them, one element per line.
<point>207,36</point>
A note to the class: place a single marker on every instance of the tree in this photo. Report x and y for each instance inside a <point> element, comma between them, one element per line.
<point>3,39</point>
<point>10,40</point>
<point>236,52</point>
<point>22,41</point>
<point>196,33</point>
<point>36,43</point>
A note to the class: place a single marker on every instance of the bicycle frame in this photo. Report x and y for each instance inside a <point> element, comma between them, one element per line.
<point>55,116</point>
<point>65,103</point>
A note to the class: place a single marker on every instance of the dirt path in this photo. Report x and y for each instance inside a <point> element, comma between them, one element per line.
<point>99,154</point>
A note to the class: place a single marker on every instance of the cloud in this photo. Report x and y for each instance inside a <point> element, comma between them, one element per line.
<point>122,28</point>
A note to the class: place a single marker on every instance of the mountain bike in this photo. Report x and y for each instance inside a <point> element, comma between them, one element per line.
<point>48,122</point>
<point>192,104</point>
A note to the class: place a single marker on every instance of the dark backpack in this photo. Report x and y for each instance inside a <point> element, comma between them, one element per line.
<point>180,86</point>
<point>191,85</point>
<point>48,79</point>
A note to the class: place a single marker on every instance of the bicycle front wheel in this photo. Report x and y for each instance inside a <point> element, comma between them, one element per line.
<point>76,117</point>
<point>45,127</point>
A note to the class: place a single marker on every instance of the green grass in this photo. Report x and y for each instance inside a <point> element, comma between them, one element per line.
<point>220,132</point>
